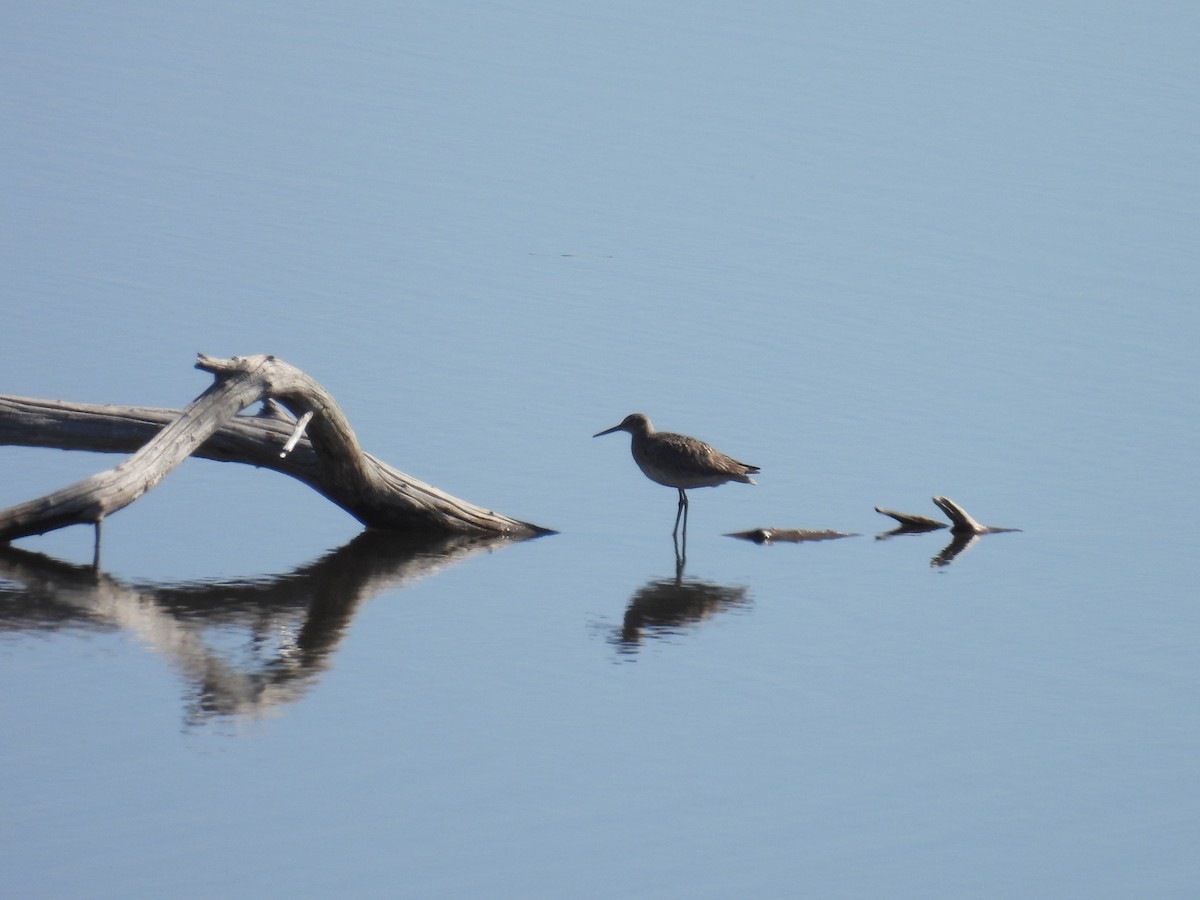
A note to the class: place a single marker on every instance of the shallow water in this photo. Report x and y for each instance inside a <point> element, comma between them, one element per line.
<point>882,255</point>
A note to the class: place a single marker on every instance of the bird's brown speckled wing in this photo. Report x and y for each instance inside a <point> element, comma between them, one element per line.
<point>698,458</point>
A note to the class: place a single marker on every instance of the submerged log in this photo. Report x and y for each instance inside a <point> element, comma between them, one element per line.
<point>964,530</point>
<point>327,457</point>
<point>961,521</point>
<point>910,521</point>
<point>789,535</point>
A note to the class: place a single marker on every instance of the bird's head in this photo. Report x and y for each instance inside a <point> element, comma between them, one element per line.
<point>634,423</point>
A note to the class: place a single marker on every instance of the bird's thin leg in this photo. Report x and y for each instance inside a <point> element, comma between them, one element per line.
<point>681,552</point>
<point>681,513</point>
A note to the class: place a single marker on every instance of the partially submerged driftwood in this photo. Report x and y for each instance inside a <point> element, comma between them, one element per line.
<point>788,535</point>
<point>963,528</point>
<point>318,448</point>
<point>960,520</point>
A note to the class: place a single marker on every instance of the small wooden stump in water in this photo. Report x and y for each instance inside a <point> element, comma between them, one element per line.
<point>318,447</point>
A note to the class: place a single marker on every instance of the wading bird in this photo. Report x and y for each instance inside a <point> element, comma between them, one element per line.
<point>679,461</point>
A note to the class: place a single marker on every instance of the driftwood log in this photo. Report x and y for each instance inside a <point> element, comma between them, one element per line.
<point>964,530</point>
<point>961,521</point>
<point>789,535</point>
<point>317,447</point>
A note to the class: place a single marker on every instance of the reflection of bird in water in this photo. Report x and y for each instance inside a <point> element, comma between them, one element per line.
<point>679,461</point>
<point>666,607</point>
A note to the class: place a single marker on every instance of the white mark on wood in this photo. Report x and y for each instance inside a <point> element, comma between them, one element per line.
<point>297,433</point>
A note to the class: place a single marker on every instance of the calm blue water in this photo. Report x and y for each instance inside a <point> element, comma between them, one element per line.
<point>882,253</point>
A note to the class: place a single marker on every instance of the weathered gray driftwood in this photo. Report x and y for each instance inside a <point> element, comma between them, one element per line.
<point>964,530</point>
<point>911,521</point>
<point>961,521</point>
<point>789,535</point>
<point>328,457</point>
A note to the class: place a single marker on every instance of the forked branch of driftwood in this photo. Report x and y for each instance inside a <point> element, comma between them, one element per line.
<point>964,530</point>
<point>324,453</point>
<point>961,521</point>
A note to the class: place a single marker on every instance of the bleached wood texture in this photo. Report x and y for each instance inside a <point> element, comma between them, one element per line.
<point>328,459</point>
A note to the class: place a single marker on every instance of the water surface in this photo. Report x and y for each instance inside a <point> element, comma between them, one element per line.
<point>882,254</point>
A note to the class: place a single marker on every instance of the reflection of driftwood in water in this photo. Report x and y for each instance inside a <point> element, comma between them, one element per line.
<point>668,606</point>
<point>293,622</point>
<point>328,458</point>
<point>958,543</point>
<point>788,535</point>
<point>963,527</point>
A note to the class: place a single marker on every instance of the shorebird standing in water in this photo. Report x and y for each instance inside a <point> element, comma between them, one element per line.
<point>679,461</point>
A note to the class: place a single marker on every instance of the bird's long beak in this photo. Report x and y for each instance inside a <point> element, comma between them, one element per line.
<point>607,431</point>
